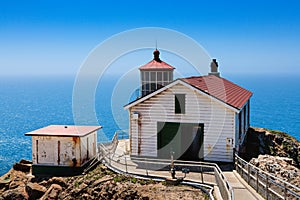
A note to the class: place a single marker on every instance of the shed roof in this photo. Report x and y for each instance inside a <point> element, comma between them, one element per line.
<point>64,131</point>
<point>220,88</point>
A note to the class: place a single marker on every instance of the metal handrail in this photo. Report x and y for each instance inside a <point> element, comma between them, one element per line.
<point>208,190</point>
<point>282,188</point>
<point>193,163</point>
<point>122,134</point>
<point>106,155</point>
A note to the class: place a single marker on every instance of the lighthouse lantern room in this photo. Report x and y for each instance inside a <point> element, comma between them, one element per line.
<point>155,74</point>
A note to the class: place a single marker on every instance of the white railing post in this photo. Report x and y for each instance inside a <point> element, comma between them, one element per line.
<point>110,157</point>
<point>248,173</point>
<point>126,164</point>
<point>146,166</point>
<point>267,186</point>
<point>201,174</point>
<point>285,190</point>
<point>242,168</point>
<point>257,181</point>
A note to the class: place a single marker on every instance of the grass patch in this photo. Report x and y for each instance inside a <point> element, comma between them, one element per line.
<point>146,182</point>
<point>285,135</point>
<point>76,184</point>
<point>117,179</point>
<point>96,177</point>
<point>123,178</point>
<point>271,149</point>
<point>206,197</point>
<point>120,178</point>
<point>108,172</point>
<point>287,146</point>
<point>133,180</point>
<point>7,178</point>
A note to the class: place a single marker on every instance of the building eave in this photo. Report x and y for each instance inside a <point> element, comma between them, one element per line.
<point>199,91</point>
<point>137,101</point>
<point>40,132</point>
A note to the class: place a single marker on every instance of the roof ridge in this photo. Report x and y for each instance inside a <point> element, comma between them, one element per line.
<point>232,93</point>
<point>154,64</point>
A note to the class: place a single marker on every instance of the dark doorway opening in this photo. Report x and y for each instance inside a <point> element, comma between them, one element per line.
<point>185,140</point>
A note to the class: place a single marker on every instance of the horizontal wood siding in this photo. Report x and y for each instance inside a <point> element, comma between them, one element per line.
<point>134,136</point>
<point>217,119</point>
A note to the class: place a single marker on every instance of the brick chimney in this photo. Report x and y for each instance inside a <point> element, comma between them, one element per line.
<point>214,68</point>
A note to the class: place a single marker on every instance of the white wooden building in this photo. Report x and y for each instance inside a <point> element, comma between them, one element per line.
<point>63,149</point>
<point>196,118</point>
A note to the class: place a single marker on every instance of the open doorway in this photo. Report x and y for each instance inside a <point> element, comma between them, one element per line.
<point>185,140</point>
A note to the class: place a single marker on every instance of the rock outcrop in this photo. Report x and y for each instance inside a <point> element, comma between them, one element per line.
<point>99,183</point>
<point>274,152</point>
<point>35,190</point>
<point>281,167</point>
<point>54,192</point>
<point>261,141</point>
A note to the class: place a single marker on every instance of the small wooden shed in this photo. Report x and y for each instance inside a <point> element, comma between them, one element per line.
<point>63,149</point>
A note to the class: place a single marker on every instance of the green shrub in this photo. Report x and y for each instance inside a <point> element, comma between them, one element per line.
<point>76,184</point>
<point>133,180</point>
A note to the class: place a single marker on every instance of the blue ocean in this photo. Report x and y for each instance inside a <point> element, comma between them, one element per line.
<point>29,103</point>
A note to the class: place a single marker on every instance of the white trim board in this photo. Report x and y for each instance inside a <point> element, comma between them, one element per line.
<point>179,81</point>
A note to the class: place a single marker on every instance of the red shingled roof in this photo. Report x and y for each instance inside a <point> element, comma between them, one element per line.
<point>221,89</point>
<point>156,63</point>
<point>153,64</point>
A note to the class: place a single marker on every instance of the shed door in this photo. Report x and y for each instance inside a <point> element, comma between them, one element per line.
<point>184,139</point>
<point>67,153</point>
<point>45,151</point>
<point>168,139</point>
<point>192,141</point>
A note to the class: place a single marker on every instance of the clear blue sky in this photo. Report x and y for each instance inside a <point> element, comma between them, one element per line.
<point>54,37</point>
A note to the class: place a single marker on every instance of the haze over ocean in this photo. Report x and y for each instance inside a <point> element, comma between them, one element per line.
<point>28,103</point>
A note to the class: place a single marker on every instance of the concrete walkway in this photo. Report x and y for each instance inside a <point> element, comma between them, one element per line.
<point>241,189</point>
<point>122,152</point>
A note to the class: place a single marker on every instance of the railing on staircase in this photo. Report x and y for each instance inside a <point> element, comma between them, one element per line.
<point>200,172</point>
<point>269,186</point>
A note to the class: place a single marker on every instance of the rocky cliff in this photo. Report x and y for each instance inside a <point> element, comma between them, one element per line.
<point>281,167</point>
<point>99,183</point>
<point>274,152</point>
<point>261,141</point>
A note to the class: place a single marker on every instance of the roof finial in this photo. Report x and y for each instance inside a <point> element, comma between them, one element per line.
<point>156,55</point>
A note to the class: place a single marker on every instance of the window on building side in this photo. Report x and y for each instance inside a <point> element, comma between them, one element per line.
<point>180,103</point>
<point>248,115</point>
<point>240,124</point>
